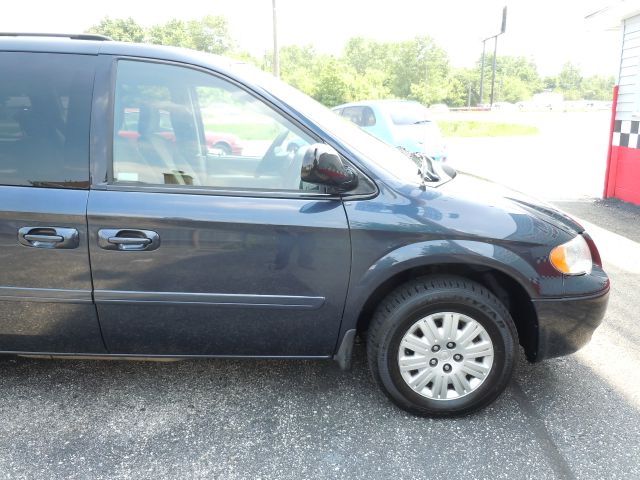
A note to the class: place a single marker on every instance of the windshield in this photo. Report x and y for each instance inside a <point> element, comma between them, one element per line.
<point>407,113</point>
<point>384,156</point>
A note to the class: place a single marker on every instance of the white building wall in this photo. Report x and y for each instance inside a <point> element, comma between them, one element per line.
<point>629,78</point>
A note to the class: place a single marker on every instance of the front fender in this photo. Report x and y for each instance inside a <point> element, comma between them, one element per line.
<point>365,280</point>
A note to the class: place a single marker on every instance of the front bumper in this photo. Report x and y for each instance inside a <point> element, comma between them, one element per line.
<point>566,325</point>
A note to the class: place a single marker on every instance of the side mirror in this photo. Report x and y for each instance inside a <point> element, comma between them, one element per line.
<point>322,165</point>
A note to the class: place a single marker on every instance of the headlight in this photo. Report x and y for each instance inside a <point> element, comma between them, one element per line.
<point>573,257</point>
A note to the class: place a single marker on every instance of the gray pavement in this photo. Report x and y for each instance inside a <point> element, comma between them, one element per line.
<point>576,417</point>
<point>566,160</point>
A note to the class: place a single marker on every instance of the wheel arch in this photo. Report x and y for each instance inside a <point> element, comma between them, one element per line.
<point>504,286</point>
<point>222,144</point>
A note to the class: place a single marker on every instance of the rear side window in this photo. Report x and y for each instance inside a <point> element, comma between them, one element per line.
<point>45,109</point>
<point>360,115</point>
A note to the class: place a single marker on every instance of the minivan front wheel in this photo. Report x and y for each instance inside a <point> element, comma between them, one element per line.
<point>442,346</point>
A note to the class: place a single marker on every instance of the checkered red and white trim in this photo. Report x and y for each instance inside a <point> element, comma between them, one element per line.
<point>626,134</point>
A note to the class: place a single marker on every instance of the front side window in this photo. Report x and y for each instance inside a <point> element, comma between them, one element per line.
<point>45,109</point>
<point>180,126</point>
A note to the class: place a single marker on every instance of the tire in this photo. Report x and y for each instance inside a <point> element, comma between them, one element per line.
<point>225,147</point>
<point>485,355</point>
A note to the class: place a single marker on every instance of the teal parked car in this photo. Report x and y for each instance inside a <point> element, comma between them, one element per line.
<point>400,123</point>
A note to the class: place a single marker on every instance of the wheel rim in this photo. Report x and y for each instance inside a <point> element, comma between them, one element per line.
<point>446,355</point>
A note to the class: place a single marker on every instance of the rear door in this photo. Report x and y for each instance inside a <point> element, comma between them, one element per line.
<point>196,251</point>
<point>45,281</point>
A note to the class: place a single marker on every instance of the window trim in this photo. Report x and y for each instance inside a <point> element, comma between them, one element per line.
<point>220,191</point>
<point>104,165</point>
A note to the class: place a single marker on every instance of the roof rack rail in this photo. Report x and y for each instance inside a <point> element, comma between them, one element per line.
<point>73,36</point>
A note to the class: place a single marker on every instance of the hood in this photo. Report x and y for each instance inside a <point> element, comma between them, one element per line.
<point>467,188</point>
<point>548,213</point>
<point>423,137</point>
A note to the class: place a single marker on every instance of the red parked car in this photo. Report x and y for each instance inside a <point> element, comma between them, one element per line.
<point>227,143</point>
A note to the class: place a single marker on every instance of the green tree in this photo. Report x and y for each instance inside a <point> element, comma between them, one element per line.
<point>417,69</point>
<point>598,87</point>
<point>330,80</point>
<point>420,71</point>
<point>369,69</point>
<point>370,85</point>
<point>363,54</point>
<point>570,81</point>
<point>211,34</point>
<point>121,29</point>
<point>332,87</point>
<point>514,89</point>
<point>574,86</point>
<point>517,78</point>
<point>521,68</point>
<point>299,66</point>
<point>174,33</point>
<point>463,87</point>
<point>298,57</point>
<point>550,83</point>
<point>245,57</point>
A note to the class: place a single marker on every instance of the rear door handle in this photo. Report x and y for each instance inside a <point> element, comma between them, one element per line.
<point>49,237</point>
<point>128,240</point>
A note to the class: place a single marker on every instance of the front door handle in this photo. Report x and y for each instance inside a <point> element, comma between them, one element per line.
<point>128,240</point>
<point>49,237</point>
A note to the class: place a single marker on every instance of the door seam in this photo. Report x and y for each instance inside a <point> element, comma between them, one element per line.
<point>93,298</point>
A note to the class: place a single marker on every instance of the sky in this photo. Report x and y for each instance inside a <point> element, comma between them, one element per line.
<point>549,32</point>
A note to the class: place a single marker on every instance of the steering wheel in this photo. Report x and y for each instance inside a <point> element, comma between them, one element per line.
<point>269,161</point>
<point>291,180</point>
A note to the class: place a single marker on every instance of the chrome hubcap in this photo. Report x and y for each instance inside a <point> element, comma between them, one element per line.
<point>445,355</point>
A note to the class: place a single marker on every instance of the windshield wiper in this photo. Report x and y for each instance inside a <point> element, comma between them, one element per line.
<point>425,165</point>
<point>426,170</point>
<point>420,122</point>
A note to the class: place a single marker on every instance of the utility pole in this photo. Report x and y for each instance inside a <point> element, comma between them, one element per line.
<point>493,69</point>
<point>482,72</point>
<point>426,72</point>
<point>276,53</point>
<point>495,51</point>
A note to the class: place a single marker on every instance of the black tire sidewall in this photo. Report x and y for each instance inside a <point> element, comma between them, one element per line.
<point>225,147</point>
<point>446,301</point>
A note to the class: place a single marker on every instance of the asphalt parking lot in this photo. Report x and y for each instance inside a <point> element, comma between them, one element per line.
<point>574,417</point>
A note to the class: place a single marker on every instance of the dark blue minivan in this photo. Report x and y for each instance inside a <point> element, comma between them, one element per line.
<point>126,230</point>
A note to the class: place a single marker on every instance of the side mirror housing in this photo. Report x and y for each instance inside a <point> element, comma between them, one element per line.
<point>322,165</point>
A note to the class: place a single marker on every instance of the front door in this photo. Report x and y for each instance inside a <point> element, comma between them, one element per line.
<point>199,250</point>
